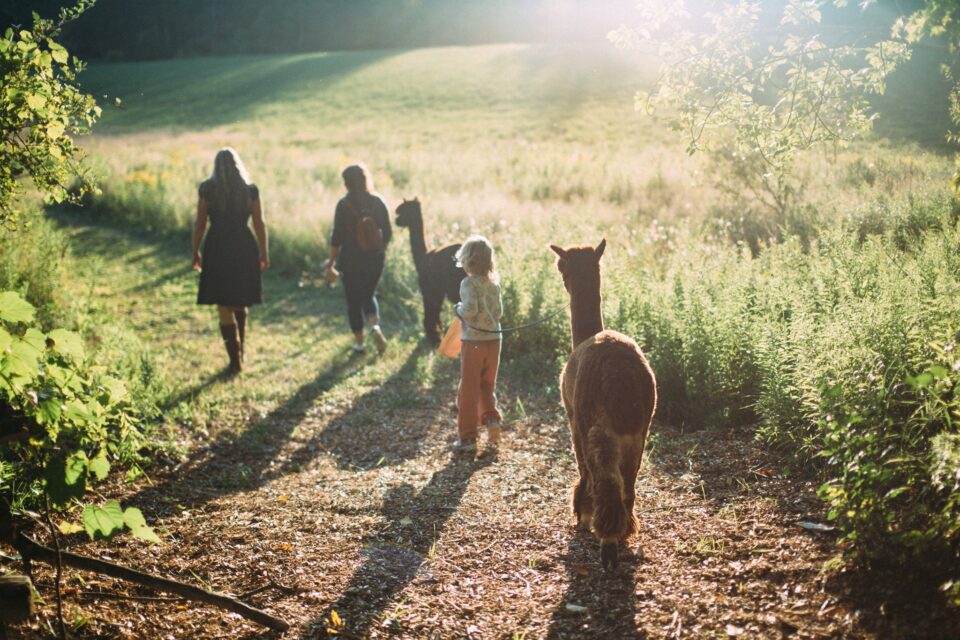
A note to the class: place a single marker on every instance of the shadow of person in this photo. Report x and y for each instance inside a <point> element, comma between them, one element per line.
<point>597,604</point>
<point>237,462</point>
<point>190,394</point>
<point>396,556</point>
<point>399,411</point>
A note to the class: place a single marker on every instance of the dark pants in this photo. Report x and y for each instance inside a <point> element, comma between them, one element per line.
<point>360,288</point>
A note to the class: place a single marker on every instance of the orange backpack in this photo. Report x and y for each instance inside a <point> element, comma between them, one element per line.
<point>369,233</point>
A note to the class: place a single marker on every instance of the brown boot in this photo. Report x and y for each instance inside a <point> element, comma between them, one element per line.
<point>231,339</point>
<point>241,317</point>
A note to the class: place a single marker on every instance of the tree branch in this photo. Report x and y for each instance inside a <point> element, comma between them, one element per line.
<point>30,548</point>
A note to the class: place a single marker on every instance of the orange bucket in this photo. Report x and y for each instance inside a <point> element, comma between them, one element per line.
<point>450,344</point>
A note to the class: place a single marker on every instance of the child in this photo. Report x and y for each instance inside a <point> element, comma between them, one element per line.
<point>480,309</point>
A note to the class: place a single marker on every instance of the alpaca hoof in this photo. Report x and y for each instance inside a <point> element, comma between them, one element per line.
<point>608,556</point>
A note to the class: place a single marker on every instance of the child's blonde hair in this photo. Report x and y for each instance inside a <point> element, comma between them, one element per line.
<point>475,256</point>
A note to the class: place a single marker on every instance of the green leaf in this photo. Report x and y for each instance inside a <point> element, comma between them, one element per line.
<point>138,526</point>
<point>35,339</point>
<point>105,521</point>
<point>49,411</point>
<point>921,381</point>
<point>77,412</point>
<point>75,468</point>
<point>55,129</point>
<point>66,527</point>
<point>134,473</point>
<point>55,477</point>
<point>100,466</point>
<point>23,360</point>
<point>66,343</point>
<point>115,388</point>
<point>937,371</point>
<point>13,308</point>
<point>35,101</point>
<point>5,340</point>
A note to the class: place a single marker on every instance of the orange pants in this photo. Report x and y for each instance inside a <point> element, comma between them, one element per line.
<point>476,402</point>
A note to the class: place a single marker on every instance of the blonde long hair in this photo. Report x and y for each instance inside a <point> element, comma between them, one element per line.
<point>230,180</point>
<point>476,257</point>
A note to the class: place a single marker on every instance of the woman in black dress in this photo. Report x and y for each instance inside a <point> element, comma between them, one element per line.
<point>359,269</point>
<point>232,259</point>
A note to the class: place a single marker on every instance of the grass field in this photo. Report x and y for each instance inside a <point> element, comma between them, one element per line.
<point>811,329</point>
<point>483,134</point>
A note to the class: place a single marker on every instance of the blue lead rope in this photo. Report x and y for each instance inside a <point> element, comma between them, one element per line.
<point>510,329</point>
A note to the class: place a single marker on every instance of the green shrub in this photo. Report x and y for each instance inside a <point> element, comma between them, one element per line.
<point>75,419</point>
<point>895,451</point>
<point>30,263</point>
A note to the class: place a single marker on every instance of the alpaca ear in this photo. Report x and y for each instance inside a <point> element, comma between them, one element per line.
<point>600,248</point>
<point>560,252</point>
<point>416,199</point>
<point>405,201</point>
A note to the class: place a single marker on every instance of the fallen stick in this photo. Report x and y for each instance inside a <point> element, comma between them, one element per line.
<point>270,585</point>
<point>123,596</point>
<point>30,548</point>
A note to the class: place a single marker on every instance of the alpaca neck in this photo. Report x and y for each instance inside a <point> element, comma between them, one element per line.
<point>586,320</point>
<point>417,244</point>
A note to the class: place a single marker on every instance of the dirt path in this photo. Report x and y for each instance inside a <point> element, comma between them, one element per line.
<point>326,485</point>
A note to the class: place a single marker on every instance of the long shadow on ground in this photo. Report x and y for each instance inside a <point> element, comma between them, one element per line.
<point>608,598</point>
<point>243,462</point>
<point>378,429</point>
<point>396,556</point>
<point>356,439</point>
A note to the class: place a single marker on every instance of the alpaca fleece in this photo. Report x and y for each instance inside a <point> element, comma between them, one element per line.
<point>609,393</point>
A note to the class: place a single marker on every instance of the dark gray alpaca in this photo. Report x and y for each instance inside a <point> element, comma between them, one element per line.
<point>438,275</point>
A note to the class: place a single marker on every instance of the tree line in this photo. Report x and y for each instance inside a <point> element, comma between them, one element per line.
<point>146,29</point>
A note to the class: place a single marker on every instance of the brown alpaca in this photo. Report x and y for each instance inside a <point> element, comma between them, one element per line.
<point>610,394</point>
<point>438,275</point>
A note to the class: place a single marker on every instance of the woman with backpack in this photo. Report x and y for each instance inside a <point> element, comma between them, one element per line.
<point>358,243</point>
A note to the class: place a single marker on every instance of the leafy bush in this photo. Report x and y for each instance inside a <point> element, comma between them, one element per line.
<point>40,108</point>
<point>68,421</point>
<point>842,351</point>
<point>896,455</point>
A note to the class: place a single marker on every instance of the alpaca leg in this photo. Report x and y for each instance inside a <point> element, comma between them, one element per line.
<point>609,543</point>
<point>431,320</point>
<point>608,555</point>
<point>582,503</point>
<point>629,472</point>
<point>631,497</point>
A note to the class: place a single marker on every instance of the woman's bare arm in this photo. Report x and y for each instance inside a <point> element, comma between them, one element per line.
<point>260,230</point>
<point>198,229</point>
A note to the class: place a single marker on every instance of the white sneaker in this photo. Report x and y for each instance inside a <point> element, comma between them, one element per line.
<point>380,340</point>
<point>467,445</point>
<point>493,433</point>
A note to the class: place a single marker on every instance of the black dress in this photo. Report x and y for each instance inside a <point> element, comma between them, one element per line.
<point>230,274</point>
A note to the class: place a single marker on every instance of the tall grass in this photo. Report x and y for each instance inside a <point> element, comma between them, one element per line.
<point>31,256</point>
